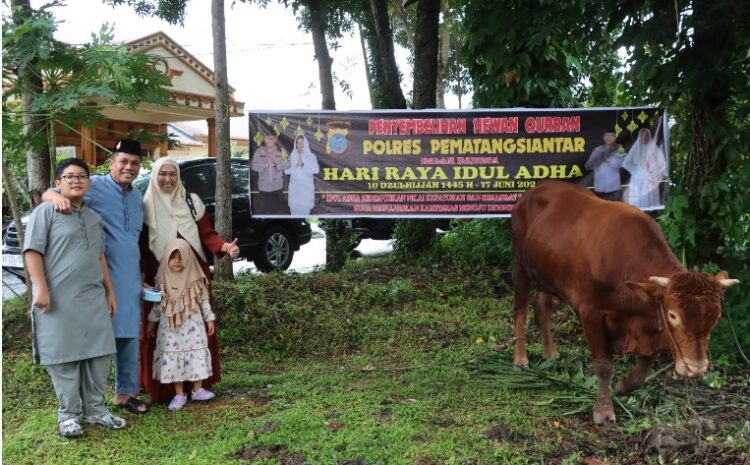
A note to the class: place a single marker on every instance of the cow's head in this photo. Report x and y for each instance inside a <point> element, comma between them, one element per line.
<point>690,305</point>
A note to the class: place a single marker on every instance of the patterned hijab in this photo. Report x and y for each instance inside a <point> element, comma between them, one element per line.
<point>167,214</point>
<point>182,291</point>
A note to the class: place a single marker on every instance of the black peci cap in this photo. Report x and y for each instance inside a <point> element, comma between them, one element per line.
<point>129,146</point>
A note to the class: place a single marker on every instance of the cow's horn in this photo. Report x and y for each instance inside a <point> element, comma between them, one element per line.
<point>663,282</point>
<point>728,282</point>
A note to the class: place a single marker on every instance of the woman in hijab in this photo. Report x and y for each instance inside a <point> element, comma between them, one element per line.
<point>301,182</point>
<point>169,213</point>
<point>647,166</point>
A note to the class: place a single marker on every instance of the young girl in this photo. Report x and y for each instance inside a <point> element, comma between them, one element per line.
<point>181,352</point>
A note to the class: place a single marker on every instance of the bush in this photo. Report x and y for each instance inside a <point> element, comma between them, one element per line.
<point>479,243</point>
<point>413,237</point>
<point>372,307</point>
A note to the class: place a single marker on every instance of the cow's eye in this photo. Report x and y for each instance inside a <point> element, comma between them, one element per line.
<point>673,317</point>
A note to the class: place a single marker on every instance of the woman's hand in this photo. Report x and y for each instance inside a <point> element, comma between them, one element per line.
<point>210,328</point>
<point>151,328</point>
<point>231,248</point>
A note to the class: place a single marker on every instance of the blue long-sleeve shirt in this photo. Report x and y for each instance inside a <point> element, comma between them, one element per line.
<point>122,217</point>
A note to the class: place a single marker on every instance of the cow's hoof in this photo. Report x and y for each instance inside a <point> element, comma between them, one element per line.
<point>604,417</point>
<point>552,355</point>
<point>625,387</point>
<point>521,363</point>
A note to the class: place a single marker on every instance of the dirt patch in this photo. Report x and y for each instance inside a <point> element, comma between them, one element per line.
<point>277,451</point>
<point>256,397</point>
<point>500,432</point>
<point>268,428</point>
<point>353,462</point>
<point>293,459</point>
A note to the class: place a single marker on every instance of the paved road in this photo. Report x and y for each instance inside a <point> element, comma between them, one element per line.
<point>310,257</point>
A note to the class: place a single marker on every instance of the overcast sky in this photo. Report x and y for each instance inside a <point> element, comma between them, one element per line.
<point>270,61</point>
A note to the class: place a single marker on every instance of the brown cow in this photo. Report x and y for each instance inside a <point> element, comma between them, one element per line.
<point>611,263</point>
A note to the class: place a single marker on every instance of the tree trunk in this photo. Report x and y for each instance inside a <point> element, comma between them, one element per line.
<point>336,230</point>
<point>426,54</point>
<point>10,191</point>
<point>34,126</point>
<point>318,28</point>
<point>425,85</point>
<point>443,57</point>
<point>223,268</point>
<point>387,78</point>
<point>368,75</point>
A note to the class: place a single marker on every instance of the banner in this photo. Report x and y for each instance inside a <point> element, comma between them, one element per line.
<point>447,163</point>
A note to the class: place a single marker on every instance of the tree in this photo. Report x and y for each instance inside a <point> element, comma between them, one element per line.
<point>693,57</point>
<point>319,28</point>
<point>426,54</point>
<point>37,155</point>
<point>384,73</point>
<point>418,235</point>
<point>516,56</point>
<point>223,152</point>
<point>172,11</point>
<point>72,76</point>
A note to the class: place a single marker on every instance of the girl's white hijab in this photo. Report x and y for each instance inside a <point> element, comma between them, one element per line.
<point>295,155</point>
<point>167,214</point>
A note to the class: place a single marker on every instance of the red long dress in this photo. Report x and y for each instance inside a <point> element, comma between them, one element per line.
<point>149,265</point>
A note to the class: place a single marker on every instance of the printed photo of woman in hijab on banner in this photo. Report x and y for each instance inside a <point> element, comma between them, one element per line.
<point>448,163</point>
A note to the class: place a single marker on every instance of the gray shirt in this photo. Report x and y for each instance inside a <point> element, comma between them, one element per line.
<point>606,165</point>
<point>77,326</point>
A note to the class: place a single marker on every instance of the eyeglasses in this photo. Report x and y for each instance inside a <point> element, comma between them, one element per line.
<point>71,178</point>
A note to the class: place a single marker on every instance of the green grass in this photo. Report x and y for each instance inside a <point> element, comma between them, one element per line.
<point>377,365</point>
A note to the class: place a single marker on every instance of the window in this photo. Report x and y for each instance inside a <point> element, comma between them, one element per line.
<point>198,180</point>
<point>240,178</point>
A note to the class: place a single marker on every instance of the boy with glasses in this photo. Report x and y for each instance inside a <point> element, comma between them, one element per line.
<point>120,207</point>
<point>73,302</point>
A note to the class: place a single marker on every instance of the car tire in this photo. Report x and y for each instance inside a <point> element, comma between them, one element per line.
<point>275,251</point>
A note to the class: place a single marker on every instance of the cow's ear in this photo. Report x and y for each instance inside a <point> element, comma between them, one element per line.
<point>647,292</point>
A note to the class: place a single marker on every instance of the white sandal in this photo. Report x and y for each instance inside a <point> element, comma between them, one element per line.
<point>69,428</point>
<point>107,420</point>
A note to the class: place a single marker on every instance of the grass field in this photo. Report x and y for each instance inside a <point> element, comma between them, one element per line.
<point>385,364</point>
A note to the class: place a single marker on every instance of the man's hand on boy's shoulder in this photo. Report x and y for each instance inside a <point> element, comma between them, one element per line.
<point>58,201</point>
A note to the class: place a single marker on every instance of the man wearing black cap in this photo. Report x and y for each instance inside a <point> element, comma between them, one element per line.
<point>121,209</point>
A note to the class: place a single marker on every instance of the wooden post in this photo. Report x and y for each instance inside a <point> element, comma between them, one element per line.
<point>88,149</point>
<point>164,146</point>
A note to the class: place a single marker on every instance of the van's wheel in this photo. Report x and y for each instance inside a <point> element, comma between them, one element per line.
<point>275,251</point>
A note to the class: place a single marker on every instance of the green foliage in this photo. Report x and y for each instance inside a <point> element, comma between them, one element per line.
<point>479,243</point>
<point>516,56</point>
<point>356,309</point>
<point>171,11</point>
<point>707,219</point>
<point>75,76</point>
<point>412,237</point>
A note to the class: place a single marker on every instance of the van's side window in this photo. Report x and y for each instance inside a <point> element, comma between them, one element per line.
<point>240,179</point>
<point>198,179</point>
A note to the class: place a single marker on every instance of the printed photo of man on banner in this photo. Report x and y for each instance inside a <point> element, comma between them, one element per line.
<point>450,164</point>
